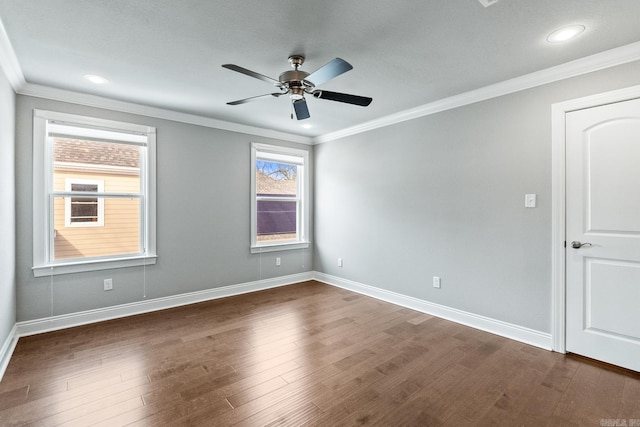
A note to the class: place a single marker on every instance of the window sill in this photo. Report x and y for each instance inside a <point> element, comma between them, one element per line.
<point>93,265</point>
<point>279,247</point>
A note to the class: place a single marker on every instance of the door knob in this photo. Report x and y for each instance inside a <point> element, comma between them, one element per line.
<point>577,245</point>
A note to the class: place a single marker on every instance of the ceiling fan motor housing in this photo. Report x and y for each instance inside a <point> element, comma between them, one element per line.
<point>293,80</point>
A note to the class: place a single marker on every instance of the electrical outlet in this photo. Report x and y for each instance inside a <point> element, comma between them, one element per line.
<point>436,282</point>
<point>339,262</point>
<point>108,284</point>
<point>277,261</point>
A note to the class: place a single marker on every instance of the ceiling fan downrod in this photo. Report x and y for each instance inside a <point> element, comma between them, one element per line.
<point>294,80</point>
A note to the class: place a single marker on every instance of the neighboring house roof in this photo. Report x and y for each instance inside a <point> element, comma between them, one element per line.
<point>96,153</point>
<point>275,217</point>
<point>265,184</point>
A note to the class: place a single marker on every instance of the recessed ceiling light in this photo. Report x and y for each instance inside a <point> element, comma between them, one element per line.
<point>307,126</point>
<point>565,33</point>
<point>99,80</point>
<point>487,3</point>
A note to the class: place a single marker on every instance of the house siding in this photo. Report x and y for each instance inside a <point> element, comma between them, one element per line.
<point>120,233</point>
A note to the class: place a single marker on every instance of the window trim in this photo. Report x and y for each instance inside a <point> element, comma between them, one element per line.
<point>68,182</point>
<point>303,241</point>
<point>42,187</point>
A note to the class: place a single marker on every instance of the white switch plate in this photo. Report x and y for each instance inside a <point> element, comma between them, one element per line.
<point>436,282</point>
<point>108,284</point>
<point>339,262</point>
<point>277,261</point>
<point>529,200</point>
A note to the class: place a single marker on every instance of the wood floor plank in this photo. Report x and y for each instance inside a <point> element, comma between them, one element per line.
<point>540,407</point>
<point>304,354</point>
<point>630,401</point>
<point>423,405</point>
<point>244,382</point>
<point>293,412</point>
<point>14,397</point>
<point>513,399</point>
<point>256,391</point>
<point>172,409</point>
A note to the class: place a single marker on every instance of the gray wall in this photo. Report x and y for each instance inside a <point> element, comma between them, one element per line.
<point>439,195</point>
<point>7,209</point>
<point>203,203</point>
<point>443,195</point>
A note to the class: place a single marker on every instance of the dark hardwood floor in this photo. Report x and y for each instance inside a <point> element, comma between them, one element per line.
<point>305,354</point>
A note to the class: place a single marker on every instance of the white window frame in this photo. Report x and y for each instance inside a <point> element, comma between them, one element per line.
<point>67,202</point>
<point>286,155</point>
<point>45,124</point>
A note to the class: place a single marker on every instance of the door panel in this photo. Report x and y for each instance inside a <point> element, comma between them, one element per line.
<point>603,210</point>
<point>611,297</point>
<point>613,196</point>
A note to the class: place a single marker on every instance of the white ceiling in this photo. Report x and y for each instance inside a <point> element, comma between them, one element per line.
<point>168,53</point>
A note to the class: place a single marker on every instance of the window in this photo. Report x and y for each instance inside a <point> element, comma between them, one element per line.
<point>94,194</point>
<point>84,211</point>
<point>279,205</point>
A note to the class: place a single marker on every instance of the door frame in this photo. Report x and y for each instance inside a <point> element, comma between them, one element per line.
<point>558,201</point>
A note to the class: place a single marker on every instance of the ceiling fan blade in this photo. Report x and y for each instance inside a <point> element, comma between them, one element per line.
<point>343,97</point>
<point>301,109</point>
<point>243,101</point>
<point>328,71</point>
<point>250,73</point>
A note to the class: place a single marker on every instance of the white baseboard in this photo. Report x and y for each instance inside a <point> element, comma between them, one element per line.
<point>7,350</point>
<point>32,327</point>
<point>47,324</point>
<point>497,327</point>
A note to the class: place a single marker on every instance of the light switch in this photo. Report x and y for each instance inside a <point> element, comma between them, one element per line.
<point>529,200</point>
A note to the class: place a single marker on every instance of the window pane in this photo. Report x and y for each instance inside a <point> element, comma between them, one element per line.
<point>84,200</point>
<point>276,220</point>
<point>119,235</point>
<point>84,187</point>
<point>84,210</point>
<point>276,179</point>
<point>279,211</point>
<point>118,165</point>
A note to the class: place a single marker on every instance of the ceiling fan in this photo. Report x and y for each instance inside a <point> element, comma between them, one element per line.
<point>296,83</point>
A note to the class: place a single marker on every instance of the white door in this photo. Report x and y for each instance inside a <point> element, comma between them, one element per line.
<point>603,214</point>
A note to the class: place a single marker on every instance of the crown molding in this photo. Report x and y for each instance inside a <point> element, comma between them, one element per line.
<point>9,61</point>
<point>588,64</point>
<point>11,67</point>
<point>47,92</point>
<point>610,58</point>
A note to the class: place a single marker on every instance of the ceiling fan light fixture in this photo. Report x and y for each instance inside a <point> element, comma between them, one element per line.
<point>297,92</point>
<point>565,33</point>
